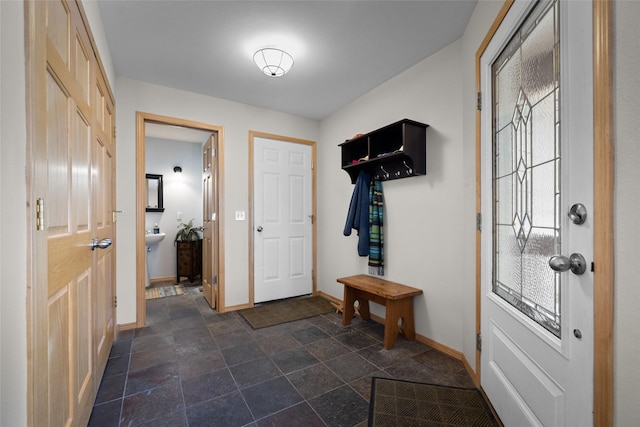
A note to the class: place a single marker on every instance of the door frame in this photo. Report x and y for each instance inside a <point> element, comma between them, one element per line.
<point>603,175</point>
<point>141,119</point>
<point>252,136</point>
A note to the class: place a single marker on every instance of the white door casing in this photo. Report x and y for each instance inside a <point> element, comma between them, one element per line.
<point>282,219</point>
<point>531,376</point>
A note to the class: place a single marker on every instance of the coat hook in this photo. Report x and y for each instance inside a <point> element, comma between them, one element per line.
<point>409,170</point>
<point>385,173</point>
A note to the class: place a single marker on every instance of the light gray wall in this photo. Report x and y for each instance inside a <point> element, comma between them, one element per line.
<point>627,206</point>
<point>13,218</point>
<point>237,119</point>
<point>429,221</point>
<point>423,215</point>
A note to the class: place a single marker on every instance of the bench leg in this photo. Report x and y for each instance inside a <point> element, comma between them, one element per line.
<point>363,308</point>
<point>396,310</point>
<point>408,325</point>
<point>347,305</point>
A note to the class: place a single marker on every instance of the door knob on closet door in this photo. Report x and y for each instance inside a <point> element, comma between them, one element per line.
<point>102,244</point>
<point>259,229</point>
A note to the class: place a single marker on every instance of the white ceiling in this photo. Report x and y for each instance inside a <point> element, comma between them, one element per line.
<point>341,49</point>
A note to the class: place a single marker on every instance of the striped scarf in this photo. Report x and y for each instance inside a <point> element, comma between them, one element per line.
<point>376,234</point>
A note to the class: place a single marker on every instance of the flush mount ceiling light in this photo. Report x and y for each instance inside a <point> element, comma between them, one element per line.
<point>273,62</point>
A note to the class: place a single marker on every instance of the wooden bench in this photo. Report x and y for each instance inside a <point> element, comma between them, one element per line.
<point>397,298</point>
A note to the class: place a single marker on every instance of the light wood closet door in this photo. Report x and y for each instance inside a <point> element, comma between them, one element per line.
<point>103,187</point>
<point>73,175</point>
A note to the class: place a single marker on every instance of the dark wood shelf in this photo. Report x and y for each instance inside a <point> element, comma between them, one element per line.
<point>392,152</point>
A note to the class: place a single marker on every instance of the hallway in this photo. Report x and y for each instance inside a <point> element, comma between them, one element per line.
<point>194,367</point>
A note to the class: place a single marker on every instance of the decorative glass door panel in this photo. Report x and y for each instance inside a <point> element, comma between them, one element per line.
<point>526,168</point>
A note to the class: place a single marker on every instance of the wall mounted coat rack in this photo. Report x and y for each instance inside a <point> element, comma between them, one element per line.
<point>396,151</point>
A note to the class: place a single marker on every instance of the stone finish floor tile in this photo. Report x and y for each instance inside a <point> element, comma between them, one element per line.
<point>314,381</point>
<point>194,367</point>
<point>270,397</point>
<point>228,410</point>
<point>341,407</point>
<point>148,405</point>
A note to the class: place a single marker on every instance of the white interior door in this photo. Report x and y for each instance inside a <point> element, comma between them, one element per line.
<point>282,219</point>
<point>537,162</point>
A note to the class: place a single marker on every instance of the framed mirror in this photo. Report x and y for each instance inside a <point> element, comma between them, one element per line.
<point>154,193</point>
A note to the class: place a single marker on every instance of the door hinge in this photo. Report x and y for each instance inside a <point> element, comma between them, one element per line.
<point>40,214</point>
<point>115,215</point>
<point>312,217</point>
<point>213,152</point>
<point>479,221</point>
<point>114,132</point>
<point>479,341</point>
<point>313,165</point>
<point>479,101</point>
<point>115,301</point>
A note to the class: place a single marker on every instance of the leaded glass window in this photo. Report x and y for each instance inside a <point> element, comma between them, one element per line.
<point>526,168</point>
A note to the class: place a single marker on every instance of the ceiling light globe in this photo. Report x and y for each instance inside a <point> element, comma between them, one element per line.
<point>273,62</point>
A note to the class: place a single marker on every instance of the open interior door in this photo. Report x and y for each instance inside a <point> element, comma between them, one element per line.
<point>210,259</point>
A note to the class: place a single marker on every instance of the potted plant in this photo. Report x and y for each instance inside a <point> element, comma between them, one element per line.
<point>189,251</point>
<point>187,232</point>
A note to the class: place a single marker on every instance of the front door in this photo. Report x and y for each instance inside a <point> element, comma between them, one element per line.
<point>72,311</point>
<point>282,219</point>
<point>537,210</point>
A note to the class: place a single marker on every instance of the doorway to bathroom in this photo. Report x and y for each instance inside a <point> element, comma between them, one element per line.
<point>188,157</point>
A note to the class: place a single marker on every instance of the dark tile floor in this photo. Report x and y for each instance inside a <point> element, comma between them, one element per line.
<point>194,367</point>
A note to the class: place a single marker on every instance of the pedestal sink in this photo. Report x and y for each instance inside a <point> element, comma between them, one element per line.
<point>151,240</point>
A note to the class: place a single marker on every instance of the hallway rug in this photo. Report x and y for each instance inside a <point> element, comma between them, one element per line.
<point>403,403</point>
<point>163,291</point>
<point>283,311</point>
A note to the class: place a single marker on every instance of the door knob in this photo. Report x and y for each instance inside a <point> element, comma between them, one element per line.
<point>578,214</point>
<point>259,229</point>
<point>102,244</point>
<point>576,263</point>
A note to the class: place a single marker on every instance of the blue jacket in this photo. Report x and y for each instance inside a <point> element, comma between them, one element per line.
<point>358,215</point>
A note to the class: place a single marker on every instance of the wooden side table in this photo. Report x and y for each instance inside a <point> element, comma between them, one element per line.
<point>188,259</point>
<point>397,298</point>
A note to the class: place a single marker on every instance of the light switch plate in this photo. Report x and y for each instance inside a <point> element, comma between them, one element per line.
<point>239,215</point>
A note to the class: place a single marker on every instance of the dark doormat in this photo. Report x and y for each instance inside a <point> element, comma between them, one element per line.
<point>275,313</point>
<point>405,403</point>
